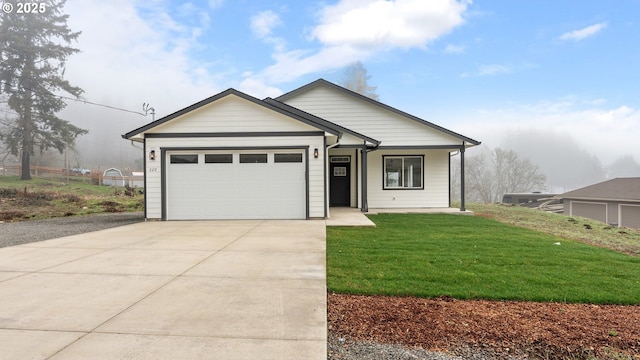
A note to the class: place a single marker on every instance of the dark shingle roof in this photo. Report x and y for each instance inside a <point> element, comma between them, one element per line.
<point>614,189</point>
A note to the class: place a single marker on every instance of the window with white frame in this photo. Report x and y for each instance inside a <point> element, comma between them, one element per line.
<point>403,172</point>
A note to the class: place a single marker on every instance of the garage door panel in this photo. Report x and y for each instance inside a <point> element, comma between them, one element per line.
<point>597,211</point>
<point>630,216</point>
<point>236,190</point>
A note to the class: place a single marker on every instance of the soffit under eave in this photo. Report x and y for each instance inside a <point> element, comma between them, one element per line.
<point>350,139</point>
<point>137,138</point>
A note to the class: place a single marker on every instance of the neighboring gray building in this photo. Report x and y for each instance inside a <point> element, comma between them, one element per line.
<point>615,201</point>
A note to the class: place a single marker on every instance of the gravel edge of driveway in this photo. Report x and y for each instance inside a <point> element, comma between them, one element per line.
<point>24,232</point>
<point>342,349</point>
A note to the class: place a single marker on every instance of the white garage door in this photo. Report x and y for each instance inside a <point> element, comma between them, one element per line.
<point>236,185</point>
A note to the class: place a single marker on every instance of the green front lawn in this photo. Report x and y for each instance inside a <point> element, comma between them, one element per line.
<point>471,257</point>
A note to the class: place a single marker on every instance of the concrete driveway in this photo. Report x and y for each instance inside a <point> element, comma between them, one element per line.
<point>168,290</point>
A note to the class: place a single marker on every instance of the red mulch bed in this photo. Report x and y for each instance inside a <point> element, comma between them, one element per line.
<point>547,330</point>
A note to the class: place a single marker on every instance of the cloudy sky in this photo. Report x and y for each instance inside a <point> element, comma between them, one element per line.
<point>484,69</point>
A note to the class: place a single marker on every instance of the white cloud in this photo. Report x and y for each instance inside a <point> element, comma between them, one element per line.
<point>454,49</point>
<point>257,88</point>
<point>489,70</point>
<point>583,33</point>
<point>494,69</point>
<point>358,29</point>
<point>262,24</point>
<point>381,24</point>
<point>215,3</point>
<point>139,53</point>
<point>294,64</point>
<point>150,46</point>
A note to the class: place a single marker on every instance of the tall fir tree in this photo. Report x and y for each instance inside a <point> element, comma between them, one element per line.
<point>355,78</point>
<point>34,48</point>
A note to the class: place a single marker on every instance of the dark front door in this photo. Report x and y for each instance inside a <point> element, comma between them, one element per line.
<point>340,181</point>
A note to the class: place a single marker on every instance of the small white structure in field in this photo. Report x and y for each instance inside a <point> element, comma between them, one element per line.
<point>137,179</point>
<point>112,177</point>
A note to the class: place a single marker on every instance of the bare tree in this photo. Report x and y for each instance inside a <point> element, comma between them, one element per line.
<point>491,175</point>
<point>479,179</point>
<point>355,78</point>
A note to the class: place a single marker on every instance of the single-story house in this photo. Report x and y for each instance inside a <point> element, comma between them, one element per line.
<point>234,156</point>
<point>615,202</point>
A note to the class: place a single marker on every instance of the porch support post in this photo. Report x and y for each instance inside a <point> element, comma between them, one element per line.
<point>462,204</point>
<point>365,206</point>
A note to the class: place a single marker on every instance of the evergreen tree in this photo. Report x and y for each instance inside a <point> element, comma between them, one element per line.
<point>355,78</point>
<point>34,47</point>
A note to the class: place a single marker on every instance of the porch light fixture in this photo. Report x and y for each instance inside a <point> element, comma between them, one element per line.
<point>315,153</point>
<point>152,155</point>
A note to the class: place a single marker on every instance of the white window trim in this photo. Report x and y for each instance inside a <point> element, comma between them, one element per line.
<point>401,183</point>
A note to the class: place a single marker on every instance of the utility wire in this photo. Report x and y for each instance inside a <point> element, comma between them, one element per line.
<point>77,100</point>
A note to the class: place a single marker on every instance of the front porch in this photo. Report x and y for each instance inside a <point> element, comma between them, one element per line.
<point>393,179</point>
<point>347,216</point>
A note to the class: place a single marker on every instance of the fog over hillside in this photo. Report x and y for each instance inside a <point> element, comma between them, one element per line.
<point>567,164</point>
<point>103,146</point>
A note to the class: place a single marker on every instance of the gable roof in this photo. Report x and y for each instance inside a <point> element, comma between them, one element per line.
<point>302,116</point>
<point>297,111</point>
<point>323,82</point>
<point>615,189</point>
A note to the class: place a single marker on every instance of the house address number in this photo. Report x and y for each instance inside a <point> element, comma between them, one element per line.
<point>153,169</point>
